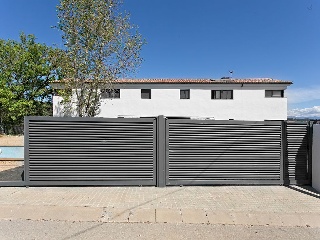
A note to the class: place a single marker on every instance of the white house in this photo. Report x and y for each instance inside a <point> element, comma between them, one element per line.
<point>255,99</point>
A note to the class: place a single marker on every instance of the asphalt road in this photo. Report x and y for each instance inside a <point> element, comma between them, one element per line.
<point>62,230</point>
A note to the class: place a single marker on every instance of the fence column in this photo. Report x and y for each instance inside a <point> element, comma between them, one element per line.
<point>161,151</point>
<point>284,156</point>
<point>310,144</point>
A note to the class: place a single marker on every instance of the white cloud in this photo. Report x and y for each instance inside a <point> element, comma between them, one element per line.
<point>313,112</point>
<point>299,95</point>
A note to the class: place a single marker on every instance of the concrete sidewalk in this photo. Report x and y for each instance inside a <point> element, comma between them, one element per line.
<point>239,205</point>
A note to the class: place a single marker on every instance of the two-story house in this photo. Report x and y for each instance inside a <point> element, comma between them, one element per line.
<point>255,99</point>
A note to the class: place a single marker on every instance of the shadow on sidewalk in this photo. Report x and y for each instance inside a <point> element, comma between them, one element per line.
<point>12,174</point>
<point>129,209</point>
<point>308,190</point>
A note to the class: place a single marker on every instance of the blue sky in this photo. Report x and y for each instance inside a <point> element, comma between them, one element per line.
<point>205,39</point>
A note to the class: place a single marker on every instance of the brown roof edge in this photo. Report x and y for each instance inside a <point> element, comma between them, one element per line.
<point>198,81</point>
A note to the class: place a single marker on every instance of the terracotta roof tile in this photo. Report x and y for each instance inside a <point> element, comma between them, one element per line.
<point>200,81</point>
<point>204,81</point>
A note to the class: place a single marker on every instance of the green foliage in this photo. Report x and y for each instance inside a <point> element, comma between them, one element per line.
<point>101,46</point>
<point>26,68</point>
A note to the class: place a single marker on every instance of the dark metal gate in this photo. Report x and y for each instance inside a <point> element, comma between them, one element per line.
<point>90,151</point>
<point>223,152</point>
<point>165,152</point>
<point>298,162</point>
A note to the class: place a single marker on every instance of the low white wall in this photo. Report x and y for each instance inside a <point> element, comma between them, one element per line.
<point>316,157</point>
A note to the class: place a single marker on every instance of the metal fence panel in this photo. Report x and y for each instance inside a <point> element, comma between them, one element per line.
<point>297,161</point>
<point>90,151</point>
<point>159,151</point>
<point>223,152</point>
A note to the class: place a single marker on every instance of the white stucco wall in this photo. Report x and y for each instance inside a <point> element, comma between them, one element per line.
<point>316,157</point>
<point>57,107</point>
<point>248,103</point>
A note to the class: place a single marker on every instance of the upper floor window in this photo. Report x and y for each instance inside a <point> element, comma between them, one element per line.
<point>275,93</point>
<point>185,94</point>
<point>145,93</point>
<point>221,94</point>
<point>110,93</point>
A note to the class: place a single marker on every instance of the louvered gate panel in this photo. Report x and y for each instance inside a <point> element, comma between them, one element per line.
<point>224,152</point>
<point>90,151</point>
<point>297,153</point>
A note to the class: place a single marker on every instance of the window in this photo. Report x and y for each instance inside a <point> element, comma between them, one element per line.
<point>110,93</point>
<point>274,93</point>
<point>145,93</point>
<point>185,94</point>
<point>221,94</point>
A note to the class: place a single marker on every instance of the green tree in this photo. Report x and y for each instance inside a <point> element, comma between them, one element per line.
<point>26,69</point>
<point>101,45</point>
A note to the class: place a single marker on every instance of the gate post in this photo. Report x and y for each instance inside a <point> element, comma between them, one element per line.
<point>284,154</point>
<point>309,147</point>
<point>161,151</point>
<point>26,175</point>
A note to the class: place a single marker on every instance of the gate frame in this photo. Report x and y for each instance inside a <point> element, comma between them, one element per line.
<point>161,151</point>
